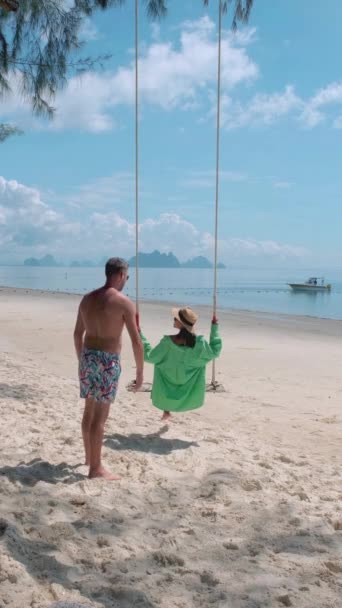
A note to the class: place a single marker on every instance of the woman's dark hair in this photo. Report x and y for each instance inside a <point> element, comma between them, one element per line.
<point>189,339</point>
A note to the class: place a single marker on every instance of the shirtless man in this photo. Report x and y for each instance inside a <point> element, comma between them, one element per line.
<point>102,315</point>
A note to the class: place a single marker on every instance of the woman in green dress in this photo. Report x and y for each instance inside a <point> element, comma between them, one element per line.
<point>179,364</point>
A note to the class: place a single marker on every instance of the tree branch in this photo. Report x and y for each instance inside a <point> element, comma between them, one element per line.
<point>8,130</point>
<point>241,11</point>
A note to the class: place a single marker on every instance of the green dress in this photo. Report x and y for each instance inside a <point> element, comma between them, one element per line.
<point>179,371</point>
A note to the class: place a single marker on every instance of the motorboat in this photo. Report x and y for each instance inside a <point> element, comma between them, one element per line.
<point>312,284</point>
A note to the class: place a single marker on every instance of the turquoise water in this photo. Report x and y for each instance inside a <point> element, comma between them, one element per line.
<point>255,290</point>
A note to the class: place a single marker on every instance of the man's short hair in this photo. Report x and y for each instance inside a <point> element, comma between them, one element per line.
<point>114,266</point>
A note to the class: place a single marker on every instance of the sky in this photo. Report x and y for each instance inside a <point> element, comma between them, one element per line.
<point>67,186</point>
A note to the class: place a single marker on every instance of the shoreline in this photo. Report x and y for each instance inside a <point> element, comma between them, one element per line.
<point>253,315</point>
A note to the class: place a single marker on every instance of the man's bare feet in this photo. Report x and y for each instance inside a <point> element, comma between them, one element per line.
<point>166,416</point>
<point>104,474</point>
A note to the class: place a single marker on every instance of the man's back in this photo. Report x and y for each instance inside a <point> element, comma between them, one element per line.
<point>103,312</point>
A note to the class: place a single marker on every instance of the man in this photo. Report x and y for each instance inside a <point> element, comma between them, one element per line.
<point>102,315</point>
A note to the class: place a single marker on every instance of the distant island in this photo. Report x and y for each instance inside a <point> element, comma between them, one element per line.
<point>156,260</point>
<point>201,262</point>
<point>169,260</point>
<point>146,260</point>
<point>47,260</point>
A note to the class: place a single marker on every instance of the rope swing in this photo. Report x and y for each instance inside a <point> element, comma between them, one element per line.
<point>137,161</point>
<point>146,387</point>
<point>214,386</point>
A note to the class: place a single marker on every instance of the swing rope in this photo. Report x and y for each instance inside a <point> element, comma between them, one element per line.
<point>218,125</point>
<point>214,384</point>
<point>137,160</point>
<point>130,387</point>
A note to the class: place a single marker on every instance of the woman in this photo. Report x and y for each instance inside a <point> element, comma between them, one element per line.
<point>180,361</point>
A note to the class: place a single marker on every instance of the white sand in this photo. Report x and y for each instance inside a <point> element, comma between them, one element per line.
<point>238,505</point>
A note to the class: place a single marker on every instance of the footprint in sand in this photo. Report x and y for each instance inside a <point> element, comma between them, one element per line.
<point>265,465</point>
<point>167,559</point>
<point>249,485</point>
<point>231,546</point>
<point>331,420</point>
<point>69,441</point>
<point>284,600</point>
<point>334,567</point>
<point>302,495</point>
<point>189,531</point>
<point>295,521</point>
<point>210,514</point>
<point>207,578</point>
<point>285,459</point>
<point>255,550</point>
<point>102,541</point>
<point>78,501</point>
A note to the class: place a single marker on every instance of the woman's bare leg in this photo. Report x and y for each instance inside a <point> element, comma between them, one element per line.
<point>166,416</point>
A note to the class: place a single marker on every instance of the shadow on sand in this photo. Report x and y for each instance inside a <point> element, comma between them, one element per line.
<point>30,473</point>
<point>154,443</point>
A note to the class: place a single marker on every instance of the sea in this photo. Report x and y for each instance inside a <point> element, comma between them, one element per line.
<point>255,290</point>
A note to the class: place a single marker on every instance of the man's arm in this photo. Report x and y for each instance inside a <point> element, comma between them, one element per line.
<point>138,349</point>
<point>79,333</point>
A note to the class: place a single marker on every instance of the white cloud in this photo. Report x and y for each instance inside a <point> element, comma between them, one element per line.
<point>244,36</point>
<point>171,76</point>
<point>170,232</point>
<point>31,227</point>
<point>329,95</point>
<point>179,75</point>
<point>313,113</point>
<point>311,117</point>
<point>267,109</point>
<point>26,221</point>
<point>262,109</point>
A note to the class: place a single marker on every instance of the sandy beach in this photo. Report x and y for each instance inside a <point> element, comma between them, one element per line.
<point>237,505</point>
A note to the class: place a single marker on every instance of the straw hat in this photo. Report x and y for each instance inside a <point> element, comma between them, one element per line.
<point>186,317</point>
